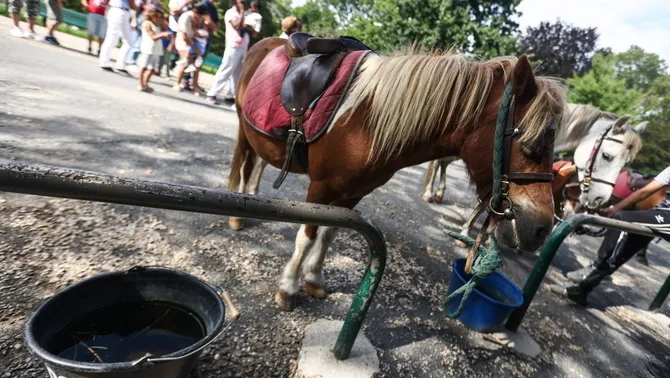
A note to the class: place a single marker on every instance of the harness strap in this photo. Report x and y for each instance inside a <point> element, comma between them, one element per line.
<point>295,143</point>
<point>588,172</point>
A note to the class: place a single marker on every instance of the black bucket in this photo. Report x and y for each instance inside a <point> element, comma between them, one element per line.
<point>139,284</point>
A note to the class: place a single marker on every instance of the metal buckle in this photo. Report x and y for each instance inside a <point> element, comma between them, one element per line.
<point>585,185</point>
<point>504,185</point>
<point>506,213</point>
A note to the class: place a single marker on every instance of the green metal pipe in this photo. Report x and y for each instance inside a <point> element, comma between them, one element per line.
<point>60,182</point>
<point>362,300</point>
<point>550,248</point>
<point>661,296</point>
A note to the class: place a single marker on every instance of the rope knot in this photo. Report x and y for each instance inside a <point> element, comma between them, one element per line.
<point>486,262</point>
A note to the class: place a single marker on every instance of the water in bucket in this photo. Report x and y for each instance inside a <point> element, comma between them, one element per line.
<point>128,331</point>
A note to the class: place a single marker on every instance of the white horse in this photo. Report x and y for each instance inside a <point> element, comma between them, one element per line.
<point>602,143</point>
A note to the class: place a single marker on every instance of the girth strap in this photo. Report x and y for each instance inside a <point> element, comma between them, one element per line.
<point>295,144</point>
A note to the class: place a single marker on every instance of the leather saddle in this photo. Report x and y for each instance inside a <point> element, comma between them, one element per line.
<point>314,63</point>
<point>637,180</point>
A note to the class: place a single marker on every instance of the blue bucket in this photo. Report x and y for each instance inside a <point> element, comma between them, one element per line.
<point>489,305</point>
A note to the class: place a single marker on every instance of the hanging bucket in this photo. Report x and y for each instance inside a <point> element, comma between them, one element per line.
<point>139,323</point>
<point>490,303</point>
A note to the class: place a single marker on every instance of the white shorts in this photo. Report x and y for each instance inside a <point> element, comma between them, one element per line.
<point>148,61</point>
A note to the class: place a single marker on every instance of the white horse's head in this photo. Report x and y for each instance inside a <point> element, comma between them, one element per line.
<point>611,144</point>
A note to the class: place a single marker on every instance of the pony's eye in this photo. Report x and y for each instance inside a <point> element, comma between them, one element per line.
<point>607,156</point>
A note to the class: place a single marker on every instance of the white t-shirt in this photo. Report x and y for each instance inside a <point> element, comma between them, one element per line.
<point>186,26</point>
<point>253,19</point>
<point>174,26</point>
<point>148,45</point>
<point>233,38</point>
<point>663,178</point>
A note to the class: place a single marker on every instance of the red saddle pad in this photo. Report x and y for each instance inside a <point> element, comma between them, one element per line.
<point>263,108</point>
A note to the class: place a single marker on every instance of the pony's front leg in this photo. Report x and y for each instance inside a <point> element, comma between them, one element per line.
<point>288,283</point>
<point>315,282</point>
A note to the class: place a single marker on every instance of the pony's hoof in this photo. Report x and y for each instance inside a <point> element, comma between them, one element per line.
<point>427,198</point>
<point>438,199</point>
<point>460,244</point>
<point>315,290</point>
<point>285,301</point>
<point>236,224</point>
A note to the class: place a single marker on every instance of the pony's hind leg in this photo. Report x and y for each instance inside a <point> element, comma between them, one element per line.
<point>252,187</point>
<point>241,168</point>
<point>443,180</point>
<point>429,181</point>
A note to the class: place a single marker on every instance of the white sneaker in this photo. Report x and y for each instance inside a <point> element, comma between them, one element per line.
<point>233,107</point>
<point>17,32</point>
<point>30,35</point>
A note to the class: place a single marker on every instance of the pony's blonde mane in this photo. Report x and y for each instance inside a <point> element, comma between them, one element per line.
<point>580,118</point>
<point>407,94</point>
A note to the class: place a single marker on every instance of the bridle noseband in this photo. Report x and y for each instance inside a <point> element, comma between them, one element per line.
<point>585,184</point>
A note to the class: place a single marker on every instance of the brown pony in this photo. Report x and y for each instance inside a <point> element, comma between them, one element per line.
<point>403,110</point>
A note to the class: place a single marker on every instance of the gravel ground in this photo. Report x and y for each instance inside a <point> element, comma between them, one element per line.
<point>52,113</point>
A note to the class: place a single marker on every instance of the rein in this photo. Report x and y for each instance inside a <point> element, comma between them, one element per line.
<point>585,185</point>
<point>502,150</point>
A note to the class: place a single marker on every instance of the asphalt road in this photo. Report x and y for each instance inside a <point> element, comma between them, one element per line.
<point>57,107</point>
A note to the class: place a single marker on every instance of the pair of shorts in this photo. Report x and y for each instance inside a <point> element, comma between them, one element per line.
<point>96,25</point>
<point>54,12</point>
<point>149,61</point>
<point>32,7</point>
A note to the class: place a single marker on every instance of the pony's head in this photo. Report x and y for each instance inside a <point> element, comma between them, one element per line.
<point>601,156</point>
<point>539,107</point>
<point>422,106</point>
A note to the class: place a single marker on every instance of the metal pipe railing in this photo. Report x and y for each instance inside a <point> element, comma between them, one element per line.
<point>61,182</point>
<point>550,248</point>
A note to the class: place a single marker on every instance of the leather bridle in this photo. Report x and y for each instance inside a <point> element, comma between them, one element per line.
<point>585,184</point>
<point>506,176</point>
<point>502,177</point>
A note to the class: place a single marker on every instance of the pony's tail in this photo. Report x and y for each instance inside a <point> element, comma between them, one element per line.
<point>242,149</point>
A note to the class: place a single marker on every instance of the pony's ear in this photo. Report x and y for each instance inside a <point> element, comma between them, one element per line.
<point>620,124</point>
<point>523,80</point>
<point>641,127</point>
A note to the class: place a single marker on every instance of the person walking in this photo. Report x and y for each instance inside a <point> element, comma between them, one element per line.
<point>118,28</point>
<point>32,10</point>
<point>233,54</point>
<point>54,17</point>
<point>618,247</point>
<point>96,23</point>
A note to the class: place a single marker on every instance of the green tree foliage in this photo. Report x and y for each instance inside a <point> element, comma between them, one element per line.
<point>484,27</point>
<point>562,49</point>
<point>318,19</point>
<point>639,69</point>
<point>602,88</point>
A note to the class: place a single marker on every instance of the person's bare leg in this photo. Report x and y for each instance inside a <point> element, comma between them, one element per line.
<point>16,18</point>
<point>141,77</point>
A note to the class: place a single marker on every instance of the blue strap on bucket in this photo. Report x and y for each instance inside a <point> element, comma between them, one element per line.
<point>486,262</point>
